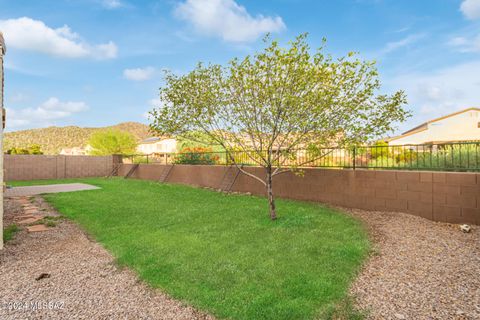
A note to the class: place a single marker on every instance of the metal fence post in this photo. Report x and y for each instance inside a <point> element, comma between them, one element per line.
<point>354,156</point>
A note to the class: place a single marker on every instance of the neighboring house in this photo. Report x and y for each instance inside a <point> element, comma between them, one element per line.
<point>460,126</point>
<point>157,145</point>
<point>2,116</point>
<point>76,151</point>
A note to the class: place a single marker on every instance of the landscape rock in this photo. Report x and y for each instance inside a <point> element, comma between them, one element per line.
<point>37,228</point>
<point>465,228</point>
<point>420,268</point>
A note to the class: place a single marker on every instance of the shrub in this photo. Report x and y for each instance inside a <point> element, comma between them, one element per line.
<point>33,149</point>
<point>196,155</point>
<point>380,149</point>
<point>381,162</point>
<point>406,156</point>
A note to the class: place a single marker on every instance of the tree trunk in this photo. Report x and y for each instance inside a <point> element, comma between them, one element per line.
<point>271,200</point>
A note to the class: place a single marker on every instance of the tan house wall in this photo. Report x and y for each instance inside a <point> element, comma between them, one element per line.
<point>460,127</point>
<point>440,196</point>
<point>162,146</point>
<point>33,167</point>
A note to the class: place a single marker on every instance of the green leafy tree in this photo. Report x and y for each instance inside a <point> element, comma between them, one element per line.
<point>198,140</point>
<point>111,141</point>
<point>15,150</point>
<point>33,149</point>
<point>277,101</point>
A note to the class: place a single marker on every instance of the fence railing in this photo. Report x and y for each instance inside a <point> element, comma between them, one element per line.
<point>441,157</point>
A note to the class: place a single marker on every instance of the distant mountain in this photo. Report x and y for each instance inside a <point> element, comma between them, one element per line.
<point>53,139</point>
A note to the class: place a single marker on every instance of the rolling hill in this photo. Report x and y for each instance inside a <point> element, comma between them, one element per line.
<point>53,139</point>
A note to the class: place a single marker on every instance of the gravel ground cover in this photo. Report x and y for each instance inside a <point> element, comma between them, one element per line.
<point>419,269</point>
<point>61,274</point>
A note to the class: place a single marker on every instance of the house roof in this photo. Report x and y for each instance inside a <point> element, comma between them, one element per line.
<point>3,48</point>
<point>424,126</point>
<point>150,140</point>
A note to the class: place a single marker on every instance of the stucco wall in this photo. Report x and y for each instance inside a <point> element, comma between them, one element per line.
<point>162,146</point>
<point>460,127</point>
<point>439,196</point>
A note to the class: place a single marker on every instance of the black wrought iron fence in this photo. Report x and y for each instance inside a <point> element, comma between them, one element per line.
<point>441,157</point>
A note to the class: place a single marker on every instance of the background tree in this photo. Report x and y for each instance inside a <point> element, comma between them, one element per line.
<point>112,141</point>
<point>33,149</point>
<point>197,140</point>
<point>277,101</point>
<point>380,149</point>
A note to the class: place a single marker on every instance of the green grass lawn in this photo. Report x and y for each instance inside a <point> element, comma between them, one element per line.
<point>9,232</point>
<point>221,253</point>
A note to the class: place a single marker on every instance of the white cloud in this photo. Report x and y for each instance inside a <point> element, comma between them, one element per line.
<point>139,74</point>
<point>227,19</point>
<point>458,41</point>
<point>466,44</point>
<point>403,29</point>
<point>62,108</point>
<point>45,114</point>
<point>112,4</point>
<point>471,9</point>
<point>34,35</point>
<point>107,50</point>
<point>441,92</point>
<point>395,45</point>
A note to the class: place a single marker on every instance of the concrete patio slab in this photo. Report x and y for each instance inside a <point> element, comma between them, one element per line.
<point>49,188</point>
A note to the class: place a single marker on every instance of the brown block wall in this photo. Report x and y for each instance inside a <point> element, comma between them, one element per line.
<point>88,166</point>
<point>32,167</point>
<point>440,196</point>
<point>202,176</point>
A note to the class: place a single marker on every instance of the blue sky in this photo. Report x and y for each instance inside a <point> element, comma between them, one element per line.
<point>99,62</point>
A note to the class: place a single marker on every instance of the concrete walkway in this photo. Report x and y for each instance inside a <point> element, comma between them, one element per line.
<point>48,188</point>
